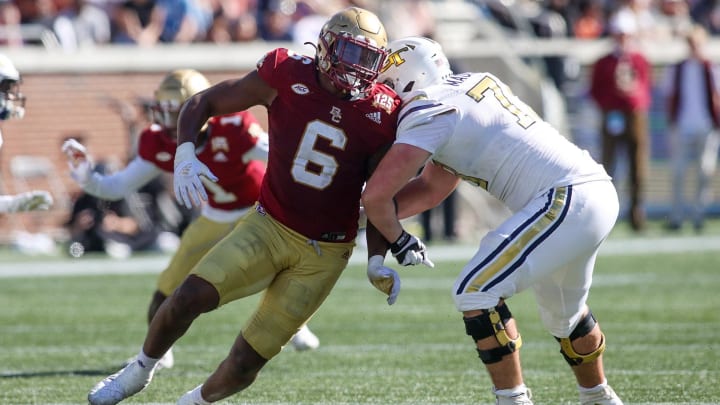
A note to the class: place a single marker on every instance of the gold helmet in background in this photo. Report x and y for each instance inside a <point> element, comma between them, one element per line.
<point>172,92</point>
<point>352,48</point>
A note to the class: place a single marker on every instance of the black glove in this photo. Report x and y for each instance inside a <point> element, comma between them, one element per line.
<point>409,250</point>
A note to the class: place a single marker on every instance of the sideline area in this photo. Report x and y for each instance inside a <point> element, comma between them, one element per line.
<point>143,264</point>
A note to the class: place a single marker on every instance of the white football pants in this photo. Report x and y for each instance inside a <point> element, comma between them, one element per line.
<point>550,245</point>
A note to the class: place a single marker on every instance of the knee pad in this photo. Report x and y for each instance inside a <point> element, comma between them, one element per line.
<point>492,323</point>
<point>582,329</point>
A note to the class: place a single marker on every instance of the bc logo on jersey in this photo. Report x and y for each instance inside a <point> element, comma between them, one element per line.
<point>335,114</point>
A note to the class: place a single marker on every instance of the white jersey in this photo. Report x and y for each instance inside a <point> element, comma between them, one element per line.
<point>476,128</point>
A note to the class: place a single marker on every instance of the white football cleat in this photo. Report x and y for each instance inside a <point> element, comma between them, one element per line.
<point>304,339</point>
<point>604,395</point>
<point>125,383</point>
<point>518,399</point>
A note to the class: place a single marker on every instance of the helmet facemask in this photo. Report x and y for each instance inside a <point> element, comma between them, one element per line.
<point>165,112</point>
<point>12,101</point>
<point>352,64</point>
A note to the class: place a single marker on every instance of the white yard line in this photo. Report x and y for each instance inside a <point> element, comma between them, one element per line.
<point>154,264</point>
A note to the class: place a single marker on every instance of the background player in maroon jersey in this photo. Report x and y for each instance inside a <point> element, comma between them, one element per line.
<point>233,145</point>
<point>328,120</point>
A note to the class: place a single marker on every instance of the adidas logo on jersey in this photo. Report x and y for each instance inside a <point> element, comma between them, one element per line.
<point>374,116</point>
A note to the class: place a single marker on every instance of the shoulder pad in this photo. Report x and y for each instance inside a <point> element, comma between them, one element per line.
<point>419,109</point>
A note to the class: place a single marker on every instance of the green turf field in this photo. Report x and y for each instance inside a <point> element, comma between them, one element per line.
<point>61,334</point>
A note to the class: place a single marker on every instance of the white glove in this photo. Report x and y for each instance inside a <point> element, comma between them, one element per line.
<point>383,278</point>
<point>409,250</point>
<point>35,200</point>
<point>189,189</point>
<point>79,162</point>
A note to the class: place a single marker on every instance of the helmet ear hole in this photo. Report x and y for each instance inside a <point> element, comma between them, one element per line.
<point>409,87</point>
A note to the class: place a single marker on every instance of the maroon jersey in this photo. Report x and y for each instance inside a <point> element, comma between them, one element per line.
<point>228,140</point>
<point>622,83</point>
<point>320,147</point>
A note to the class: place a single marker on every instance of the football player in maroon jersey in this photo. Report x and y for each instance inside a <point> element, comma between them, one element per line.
<point>233,145</point>
<point>328,122</point>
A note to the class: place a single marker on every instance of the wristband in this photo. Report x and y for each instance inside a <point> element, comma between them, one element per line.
<point>401,240</point>
<point>184,152</point>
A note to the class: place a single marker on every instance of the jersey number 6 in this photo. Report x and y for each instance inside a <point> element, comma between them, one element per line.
<point>312,167</point>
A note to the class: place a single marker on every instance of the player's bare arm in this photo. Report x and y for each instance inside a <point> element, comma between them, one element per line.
<point>425,191</point>
<point>381,277</point>
<point>376,243</point>
<point>399,165</point>
<point>223,98</point>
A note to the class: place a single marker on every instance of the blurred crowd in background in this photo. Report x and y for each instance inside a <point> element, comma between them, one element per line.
<point>70,24</point>
<point>74,24</point>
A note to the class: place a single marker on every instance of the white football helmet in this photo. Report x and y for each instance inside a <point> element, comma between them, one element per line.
<point>12,102</point>
<point>414,63</point>
<point>351,49</point>
<point>172,92</point>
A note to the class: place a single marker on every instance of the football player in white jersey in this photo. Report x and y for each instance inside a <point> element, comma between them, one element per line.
<point>471,127</point>
<point>12,105</point>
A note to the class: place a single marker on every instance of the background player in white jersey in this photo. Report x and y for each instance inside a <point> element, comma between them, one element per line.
<point>234,146</point>
<point>564,205</point>
<point>12,105</point>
